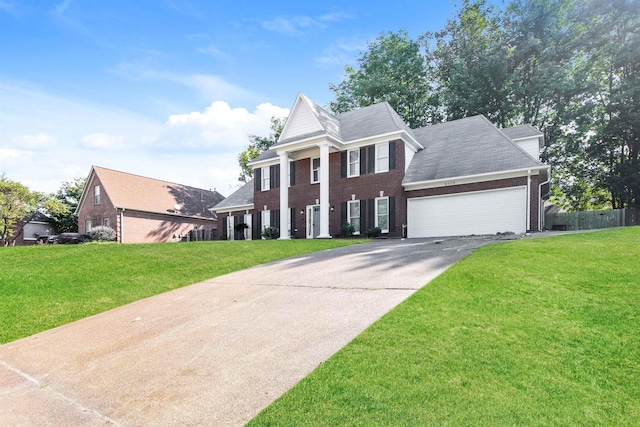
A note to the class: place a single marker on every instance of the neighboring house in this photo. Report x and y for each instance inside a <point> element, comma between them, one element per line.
<point>38,226</point>
<point>368,168</point>
<point>144,209</point>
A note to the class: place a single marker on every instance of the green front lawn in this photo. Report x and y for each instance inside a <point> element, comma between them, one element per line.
<point>46,286</point>
<point>532,332</point>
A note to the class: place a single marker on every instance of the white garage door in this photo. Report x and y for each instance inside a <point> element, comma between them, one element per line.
<point>479,212</point>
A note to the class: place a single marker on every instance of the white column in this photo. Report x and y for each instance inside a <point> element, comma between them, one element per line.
<point>284,196</point>
<point>324,192</point>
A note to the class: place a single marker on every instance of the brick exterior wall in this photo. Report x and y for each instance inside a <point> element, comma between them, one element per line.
<point>144,227</point>
<point>367,187</point>
<point>364,187</point>
<point>89,211</point>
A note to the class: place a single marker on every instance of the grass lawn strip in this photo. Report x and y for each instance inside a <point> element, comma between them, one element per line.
<point>42,287</point>
<point>532,332</point>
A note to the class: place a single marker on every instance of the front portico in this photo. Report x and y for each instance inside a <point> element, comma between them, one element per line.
<point>324,148</point>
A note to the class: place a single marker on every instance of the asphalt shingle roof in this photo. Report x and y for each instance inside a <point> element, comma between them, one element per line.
<point>241,197</point>
<point>522,131</point>
<point>140,193</point>
<point>379,118</point>
<point>469,146</point>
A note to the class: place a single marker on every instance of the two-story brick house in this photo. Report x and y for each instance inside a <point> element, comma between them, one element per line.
<point>369,169</point>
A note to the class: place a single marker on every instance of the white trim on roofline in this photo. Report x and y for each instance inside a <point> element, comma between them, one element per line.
<point>467,179</point>
<point>119,208</point>
<point>312,142</point>
<point>233,208</point>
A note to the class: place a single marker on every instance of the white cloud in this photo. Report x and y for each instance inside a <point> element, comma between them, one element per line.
<point>39,140</point>
<point>8,7</point>
<point>222,126</point>
<point>12,154</point>
<point>342,52</point>
<point>103,141</point>
<point>48,139</point>
<point>209,86</point>
<point>298,25</point>
<point>62,7</point>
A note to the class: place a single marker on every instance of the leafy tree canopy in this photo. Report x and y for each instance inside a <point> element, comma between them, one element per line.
<point>19,205</point>
<point>258,144</point>
<point>69,195</point>
<point>571,68</point>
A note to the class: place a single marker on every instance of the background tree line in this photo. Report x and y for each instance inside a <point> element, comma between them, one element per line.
<point>570,68</point>
<point>19,205</point>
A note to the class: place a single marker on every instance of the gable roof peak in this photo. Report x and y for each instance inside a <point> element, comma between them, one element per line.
<point>308,119</point>
<point>141,193</point>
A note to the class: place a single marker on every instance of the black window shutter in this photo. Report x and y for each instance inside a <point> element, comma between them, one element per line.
<point>277,175</point>
<point>275,218</point>
<point>363,161</point>
<point>343,212</point>
<point>224,226</point>
<point>372,159</point>
<point>343,164</point>
<point>292,172</point>
<point>258,226</point>
<point>293,221</point>
<point>392,155</point>
<point>363,216</point>
<point>372,212</point>
<point>392,214</point>
<point>257,176</point>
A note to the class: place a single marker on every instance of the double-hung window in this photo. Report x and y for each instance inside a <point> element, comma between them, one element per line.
<point>105,222</point>
<point>382,214</point>
<point>354,163</point>
<point>266,219</point>
<point>265,175</point>
<point>96,195</point>
<point>382,157</point>
<point>315,170</point>
<point>353,214</point>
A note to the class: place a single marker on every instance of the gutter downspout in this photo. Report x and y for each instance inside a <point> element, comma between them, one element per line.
<point>540,195</point>
<point>528,227</point>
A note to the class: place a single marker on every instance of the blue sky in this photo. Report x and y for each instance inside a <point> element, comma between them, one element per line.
<point>170,88</point>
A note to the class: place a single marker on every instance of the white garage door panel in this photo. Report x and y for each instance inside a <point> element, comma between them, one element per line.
<point>481,212</point>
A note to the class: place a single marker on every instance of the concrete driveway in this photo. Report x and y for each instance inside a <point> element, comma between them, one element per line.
<point>217,352</point>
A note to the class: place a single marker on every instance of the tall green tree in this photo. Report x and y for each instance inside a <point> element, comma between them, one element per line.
<point>392,69</point>
<point>69,195</point>
<point>612,69</point>
<point>469,58</point>
<point>258,144</point>
<point>19,205</point>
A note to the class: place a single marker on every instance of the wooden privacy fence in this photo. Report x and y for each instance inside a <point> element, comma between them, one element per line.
<point>591,220</point>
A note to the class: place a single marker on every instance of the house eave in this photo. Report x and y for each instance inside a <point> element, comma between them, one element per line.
<point>233,208</point>
<point>125,209</point>
<point>467,179</point>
